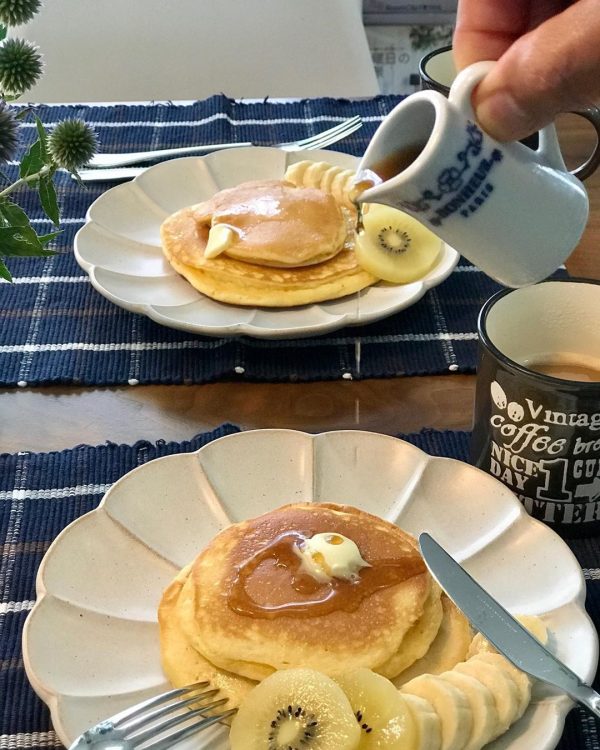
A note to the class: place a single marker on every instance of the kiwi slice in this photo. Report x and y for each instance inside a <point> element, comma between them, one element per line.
<point>383,715</point>
<point>395,247</point>
<point>295,709</point>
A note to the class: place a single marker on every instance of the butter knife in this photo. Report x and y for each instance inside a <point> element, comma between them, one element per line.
<point>500,627</point>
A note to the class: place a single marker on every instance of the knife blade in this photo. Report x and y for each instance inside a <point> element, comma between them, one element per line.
<point>505,632</point>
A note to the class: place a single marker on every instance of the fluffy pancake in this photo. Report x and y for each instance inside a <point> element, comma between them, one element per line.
<point>243,284</point>
<point>277,224</point>
<point>449,647</point>
<point>239,283</point>
<point>418,639</point>
<point>358,633</point>
<point>291,246</point>
<point>181,663</point>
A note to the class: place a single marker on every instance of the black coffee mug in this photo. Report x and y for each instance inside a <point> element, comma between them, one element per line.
<point>437,71</point>
<point>537,405</point>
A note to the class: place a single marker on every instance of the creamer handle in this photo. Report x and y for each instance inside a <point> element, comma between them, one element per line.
<point>548,151</point>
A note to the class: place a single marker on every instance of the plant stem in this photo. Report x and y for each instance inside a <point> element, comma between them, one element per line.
<point>24,180</point>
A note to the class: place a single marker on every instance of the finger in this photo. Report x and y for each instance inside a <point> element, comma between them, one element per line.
<point>554,68</point>
<point>485,29</point>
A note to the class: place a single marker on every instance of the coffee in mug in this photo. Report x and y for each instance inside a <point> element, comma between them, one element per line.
<point>537,404</point>
<point>567,367</point>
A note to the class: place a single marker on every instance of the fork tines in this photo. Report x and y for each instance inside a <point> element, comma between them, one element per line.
<point>325,137</point>
<point>160,722</point>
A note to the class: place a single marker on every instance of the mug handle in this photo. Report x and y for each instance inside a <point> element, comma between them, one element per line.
<point>548,151</point>
<point>592,115</point>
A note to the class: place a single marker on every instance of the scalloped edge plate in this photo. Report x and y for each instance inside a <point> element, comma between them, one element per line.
<point>90,644</point>
<point>119,248</point>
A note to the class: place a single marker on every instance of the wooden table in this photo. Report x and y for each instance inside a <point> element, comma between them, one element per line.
<point>52,418</point>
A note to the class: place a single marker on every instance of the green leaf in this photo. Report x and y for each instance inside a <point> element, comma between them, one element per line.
<point>46,238</point>
<point>33,160</point>
<point>4,272</point>
<point>43,136</point>
<point>75,175</point>
<point>23,113</point>
<point>22,242</point>
<point>3,32</point>
<point>49,200</point>
<point>12,215</point>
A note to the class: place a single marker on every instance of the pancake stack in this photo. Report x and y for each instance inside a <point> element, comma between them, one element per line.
<point>400,625</point>
<point>266,243</point>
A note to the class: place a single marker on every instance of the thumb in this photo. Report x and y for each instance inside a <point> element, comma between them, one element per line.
<point>554,68</point>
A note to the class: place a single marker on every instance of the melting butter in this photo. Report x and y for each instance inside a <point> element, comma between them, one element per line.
<point>330,555</point>
<point>220,238</point>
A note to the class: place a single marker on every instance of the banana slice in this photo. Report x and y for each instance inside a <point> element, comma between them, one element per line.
<point>429,727</point>
<point>449,647</point>
<point>295,173</point>
<point>536,627</point>
<point>395,247</point>
<point>385,720</point>
<point>485,715</point>
<point>340,188</point>
<point>327,177</point>
<point>336,181</point>
<point>295,709</point>
<point>449,703</point>
<point>521,680</point>
<point>504,690</point>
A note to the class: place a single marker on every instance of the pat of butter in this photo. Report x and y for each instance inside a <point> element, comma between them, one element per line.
<point>220,238</point>
<point>331,555</point>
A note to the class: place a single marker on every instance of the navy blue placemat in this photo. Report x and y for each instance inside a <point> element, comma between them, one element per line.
<point>40,493</point>
<point>55,328</point>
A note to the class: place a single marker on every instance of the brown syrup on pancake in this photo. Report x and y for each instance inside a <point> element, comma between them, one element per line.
<point>320,598</point>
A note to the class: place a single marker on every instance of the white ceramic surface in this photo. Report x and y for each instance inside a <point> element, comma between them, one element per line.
<point>91,642</point>
<point>119,247</point>
<point>515,213</point>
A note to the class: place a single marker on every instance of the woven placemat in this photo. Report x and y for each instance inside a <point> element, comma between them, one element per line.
<point>40,493</point>
<point>56,328</point>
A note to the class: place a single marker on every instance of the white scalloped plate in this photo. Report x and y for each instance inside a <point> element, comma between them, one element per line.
<point>119,247</point>
<point>91,646</point>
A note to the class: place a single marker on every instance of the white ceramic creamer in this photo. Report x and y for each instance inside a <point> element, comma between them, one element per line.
<point>515,213</point>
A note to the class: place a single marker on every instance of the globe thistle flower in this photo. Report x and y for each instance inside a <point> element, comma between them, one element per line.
<point>17,12</point>
<point>72,144</point>
<point>20,66</point>
<point>9,129</point>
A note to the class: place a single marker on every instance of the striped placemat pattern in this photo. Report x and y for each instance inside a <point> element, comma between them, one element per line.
<point>55,328</point>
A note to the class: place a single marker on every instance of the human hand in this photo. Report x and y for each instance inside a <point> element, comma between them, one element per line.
<point>548,54</point>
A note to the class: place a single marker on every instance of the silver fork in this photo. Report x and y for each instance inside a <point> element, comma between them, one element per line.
<point>320,140</point>
<point>152,722</point>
